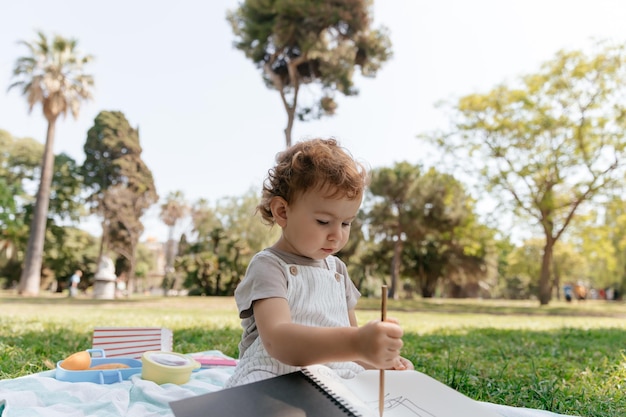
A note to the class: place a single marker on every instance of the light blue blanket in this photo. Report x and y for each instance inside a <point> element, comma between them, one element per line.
<point>41,395</point>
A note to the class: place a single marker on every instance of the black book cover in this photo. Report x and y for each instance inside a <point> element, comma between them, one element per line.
<point>293,394</point>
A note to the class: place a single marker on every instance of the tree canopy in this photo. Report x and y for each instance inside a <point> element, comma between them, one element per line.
<point>20,160</point>
<point>122,186</point>
<point>548,144</point>
<point>427,222</point>
<point>301,42</point>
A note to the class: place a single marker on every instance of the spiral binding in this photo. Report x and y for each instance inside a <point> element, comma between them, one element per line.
<point>345,406</point>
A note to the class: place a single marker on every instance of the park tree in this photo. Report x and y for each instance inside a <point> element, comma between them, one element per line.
<point>122,187</point>
<point>237,216</point>
<point>196,261</point>
<point>600,237</point>
<point>204,219</point>
<point>68,248</point>
<point>445,244</point>
<point>146,262</point>
<point>569,266</point>
<point>615,220</point>
<point>19,164</point>
<point>520,280</point>
<point>67,186</point>
<point>368,264</point>
<point>549,143</point>
<point>123,209</point>
<point>20,161</point>
<point>388,211</point>
<point>224,237</point>
<point>63,252</point>
<point>52,74</point>
<point>245,232</point>
<point>205,261</point>
<point>318,43</point>
<point>425,223</point>
<point>173,210</point>
<point>503,246</point>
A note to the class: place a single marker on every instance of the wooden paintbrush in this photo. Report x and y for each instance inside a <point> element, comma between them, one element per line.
<point>381,387</point>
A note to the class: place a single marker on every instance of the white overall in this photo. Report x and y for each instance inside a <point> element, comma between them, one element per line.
<point>317,298</point>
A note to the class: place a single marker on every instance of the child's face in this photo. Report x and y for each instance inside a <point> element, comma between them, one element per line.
<point>317,226</point>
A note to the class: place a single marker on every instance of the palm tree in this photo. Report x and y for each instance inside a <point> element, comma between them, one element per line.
<point>173,209</point>
<point>52,75</point>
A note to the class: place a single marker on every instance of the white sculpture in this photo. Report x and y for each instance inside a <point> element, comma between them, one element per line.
<point>106,270</point>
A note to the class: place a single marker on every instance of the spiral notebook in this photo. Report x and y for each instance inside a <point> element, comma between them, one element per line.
<point>316,391</point>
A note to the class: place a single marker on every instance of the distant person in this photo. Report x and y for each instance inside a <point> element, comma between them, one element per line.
<point>581,292</point>
<point>74,281</point>
<point>569,293</point>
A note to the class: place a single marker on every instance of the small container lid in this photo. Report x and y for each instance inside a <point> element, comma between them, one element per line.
<point>170,360</point>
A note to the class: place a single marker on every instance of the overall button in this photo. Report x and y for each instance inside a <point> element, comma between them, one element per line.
<point>293,270</point>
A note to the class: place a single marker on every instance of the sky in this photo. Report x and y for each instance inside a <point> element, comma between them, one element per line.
<point>210,128</point>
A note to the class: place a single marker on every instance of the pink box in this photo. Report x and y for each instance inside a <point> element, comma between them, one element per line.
<point>131,342</point>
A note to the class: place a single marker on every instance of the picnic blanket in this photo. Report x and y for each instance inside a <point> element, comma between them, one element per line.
<point>42,395</point>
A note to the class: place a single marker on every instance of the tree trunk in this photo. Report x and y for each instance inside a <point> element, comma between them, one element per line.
<point>290,119</point>
<point>545,285</point>
<point>557,278</point>
<point>290,108</point>
<point>218,282</point>
<point>30,279</point>
<point>131,286</point>
<point>427,292</point>
<point>426,283</point>
<point>294,78</point>
<point>169,249</point>
<point>395,267</point>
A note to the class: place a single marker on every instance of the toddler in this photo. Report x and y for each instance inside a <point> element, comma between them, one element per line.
<point>297,302</point>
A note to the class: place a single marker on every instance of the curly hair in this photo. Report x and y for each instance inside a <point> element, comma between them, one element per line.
<point>313,164</point>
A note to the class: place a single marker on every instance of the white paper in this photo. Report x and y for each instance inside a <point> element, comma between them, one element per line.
<point>407,394</point>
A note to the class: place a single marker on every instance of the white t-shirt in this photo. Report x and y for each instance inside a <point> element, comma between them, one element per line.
<point>319,293</point>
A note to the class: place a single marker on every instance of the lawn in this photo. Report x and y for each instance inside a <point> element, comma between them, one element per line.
<point>566,357</point>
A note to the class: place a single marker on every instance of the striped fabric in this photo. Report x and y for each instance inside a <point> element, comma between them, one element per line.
<point>316,297</point>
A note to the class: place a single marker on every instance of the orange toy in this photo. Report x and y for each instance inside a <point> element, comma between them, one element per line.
<point>78,361</point>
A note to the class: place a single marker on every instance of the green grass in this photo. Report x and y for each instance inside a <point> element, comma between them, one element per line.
<point>567,358</point>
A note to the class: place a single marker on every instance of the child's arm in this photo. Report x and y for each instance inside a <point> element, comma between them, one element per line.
<point>376,343</point>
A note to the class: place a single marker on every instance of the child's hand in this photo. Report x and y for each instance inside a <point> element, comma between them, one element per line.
<point>403,364</point>
<point>379,343</point>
